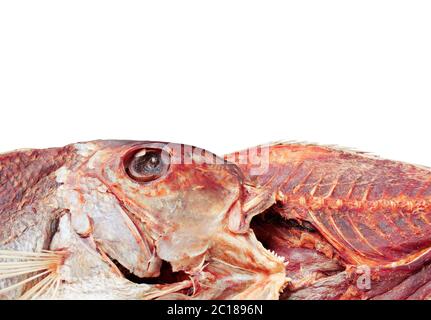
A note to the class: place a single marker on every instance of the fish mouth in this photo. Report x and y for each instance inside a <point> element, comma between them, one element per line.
<point>164,276</point>
<point>310,260</point>
<point>167,276</point>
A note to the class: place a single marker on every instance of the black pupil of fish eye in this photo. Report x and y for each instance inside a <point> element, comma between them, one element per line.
<point>148,164</point>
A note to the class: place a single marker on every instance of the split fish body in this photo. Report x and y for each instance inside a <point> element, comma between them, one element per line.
<point>155,220</point>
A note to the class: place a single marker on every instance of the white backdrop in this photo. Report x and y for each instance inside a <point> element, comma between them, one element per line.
<point>222,75</point>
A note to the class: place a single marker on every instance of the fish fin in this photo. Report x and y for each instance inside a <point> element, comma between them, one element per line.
<point>40,267</point>
<point>335,147</point>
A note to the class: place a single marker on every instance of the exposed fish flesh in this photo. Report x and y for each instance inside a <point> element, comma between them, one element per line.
<point>153,220</point>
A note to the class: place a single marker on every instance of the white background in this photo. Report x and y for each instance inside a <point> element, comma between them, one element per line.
<point>223,75</point>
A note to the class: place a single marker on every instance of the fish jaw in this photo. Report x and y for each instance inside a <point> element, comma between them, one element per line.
<point>97,213</point>
<point>241,261</point>
<point>87,274</point>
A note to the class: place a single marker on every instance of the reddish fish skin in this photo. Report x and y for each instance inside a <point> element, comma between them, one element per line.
<point>27,181</point>
<point>373,211</point>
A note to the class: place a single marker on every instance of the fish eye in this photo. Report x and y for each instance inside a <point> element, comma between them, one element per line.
<point>146,165</point>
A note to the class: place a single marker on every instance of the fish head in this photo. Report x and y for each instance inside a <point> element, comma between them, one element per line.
<point>147,204</point>
<point>178,194</point>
